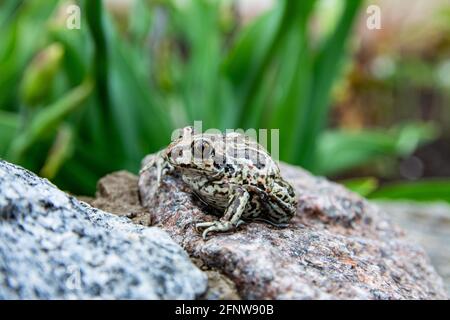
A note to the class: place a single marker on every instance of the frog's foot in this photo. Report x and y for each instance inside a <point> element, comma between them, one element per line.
<point>216,226</point>
<point>160,166</point>
<point>240,222</point>
<point>232,217</point>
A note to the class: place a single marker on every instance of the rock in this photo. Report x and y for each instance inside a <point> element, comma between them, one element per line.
<point>220,287</point>
<point>118,193</point>
<point>339,246</point>
<point>429,225</point>
<point>53,246</point>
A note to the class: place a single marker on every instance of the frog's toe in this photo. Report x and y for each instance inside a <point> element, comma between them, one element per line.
<point>203,225</point>
<point>205,233</point>
<point>214,228</point>
<point>239,223</point>
<point>218,226</point>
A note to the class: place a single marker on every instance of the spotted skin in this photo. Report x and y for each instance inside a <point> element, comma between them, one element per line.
<point>231,173</point>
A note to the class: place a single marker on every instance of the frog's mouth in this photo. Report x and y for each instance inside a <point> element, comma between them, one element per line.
<point>200,172</point>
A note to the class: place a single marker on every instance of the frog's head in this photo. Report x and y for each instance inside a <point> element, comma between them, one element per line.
<point>195,153</point>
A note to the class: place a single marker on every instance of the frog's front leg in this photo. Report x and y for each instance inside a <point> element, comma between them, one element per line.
<point>160,166</point>
<point>232,217</point>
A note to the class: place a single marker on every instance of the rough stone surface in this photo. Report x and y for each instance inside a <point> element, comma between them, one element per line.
<point>220,287</point>
<point>54,246</point>
<point>118,193</point>
<point>338,246</point>
<point>429,225</point>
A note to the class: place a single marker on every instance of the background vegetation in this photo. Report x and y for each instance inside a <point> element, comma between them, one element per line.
<point>77,104</point>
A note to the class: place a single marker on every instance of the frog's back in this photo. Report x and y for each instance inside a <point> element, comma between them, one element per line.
<point>249,159</point>
<point>250,165</point>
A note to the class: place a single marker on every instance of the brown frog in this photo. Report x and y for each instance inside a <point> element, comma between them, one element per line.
<point>231,173</point>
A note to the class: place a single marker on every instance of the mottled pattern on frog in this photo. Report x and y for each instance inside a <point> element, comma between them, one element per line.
<point>231,173</point>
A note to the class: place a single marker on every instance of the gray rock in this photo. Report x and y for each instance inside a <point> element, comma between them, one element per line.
<point>339,246</point>
<point>429,225</point>
<point>53,246</point>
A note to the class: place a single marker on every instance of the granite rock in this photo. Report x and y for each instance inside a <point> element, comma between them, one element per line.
<point>429,225</point>
<point>53,246</point>
<point>338,246</point>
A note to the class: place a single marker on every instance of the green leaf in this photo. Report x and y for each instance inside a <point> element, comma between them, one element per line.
<point>78,176</point>
<point>76,52</point>
<point>9,124</point>
<point>95,21</point>
<point>290,101</point>
<point>21,36</point>
<point>313,115</point>
<point>248,112</point>
<point>198,26</point>
<point>142,123</point>
<point>8,7</point>
<point>61,150</point>
<point>339,150</point>
<point>425,190</point>
<point>249,47</point>
<point>362,186</point>
<point>48,119</point>
<point>40,75</point>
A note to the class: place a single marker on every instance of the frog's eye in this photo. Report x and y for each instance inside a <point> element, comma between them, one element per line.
<point>202,149</point>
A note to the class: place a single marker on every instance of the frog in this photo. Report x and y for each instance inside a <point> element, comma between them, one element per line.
<point>231,173</point>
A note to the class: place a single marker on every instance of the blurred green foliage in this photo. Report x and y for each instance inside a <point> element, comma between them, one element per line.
<point>425,190</point>
<point>77,104</point>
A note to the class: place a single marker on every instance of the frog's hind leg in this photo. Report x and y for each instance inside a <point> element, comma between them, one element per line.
<point>232,217</point>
